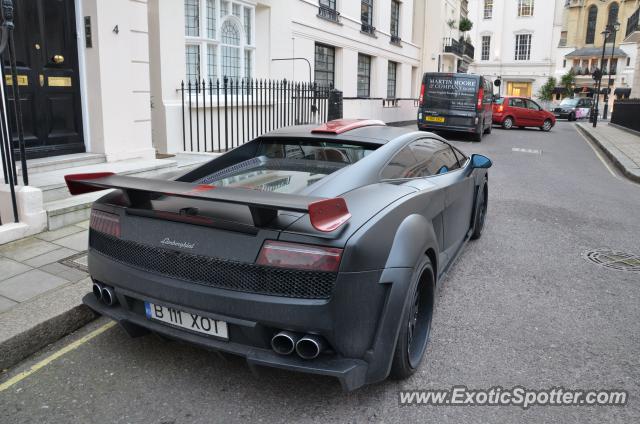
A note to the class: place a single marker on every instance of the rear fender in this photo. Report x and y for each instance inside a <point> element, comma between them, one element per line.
<point>406,260</point>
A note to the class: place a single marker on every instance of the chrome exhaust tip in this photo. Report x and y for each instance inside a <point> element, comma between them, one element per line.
<point>310,346</point>
<point>284,343</point>
<point>97,290</point>
<point>108,296</point>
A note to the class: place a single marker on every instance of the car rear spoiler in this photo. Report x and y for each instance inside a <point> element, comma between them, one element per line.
<point>325,214</point>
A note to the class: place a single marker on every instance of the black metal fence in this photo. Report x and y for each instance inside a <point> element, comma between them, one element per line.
<point>222,114</point>
<point>10,110</point>
<point>625,113</point>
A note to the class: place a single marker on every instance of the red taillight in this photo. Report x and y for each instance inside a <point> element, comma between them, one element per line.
<point>501,108</point>
<point>480,98</point>
<point>104,222</point>
<point>299,256</point>
<point>421,94</point>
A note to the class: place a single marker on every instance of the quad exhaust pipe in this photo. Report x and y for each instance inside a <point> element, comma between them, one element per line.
<point>284,343</point>
<point>104,293</point>
<point>310,346</point>
<point>307,347</point>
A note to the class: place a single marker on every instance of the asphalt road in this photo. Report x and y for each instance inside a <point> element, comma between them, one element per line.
<point>522,306</point>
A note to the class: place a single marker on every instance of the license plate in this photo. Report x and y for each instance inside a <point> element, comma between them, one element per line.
<point>187,320</point>
<point>435,119</point>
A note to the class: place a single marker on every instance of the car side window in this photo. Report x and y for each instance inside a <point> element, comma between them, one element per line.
<point>400,166</point>
<point>532,105</point>
<point>434,157</point>
<point>516,102</point>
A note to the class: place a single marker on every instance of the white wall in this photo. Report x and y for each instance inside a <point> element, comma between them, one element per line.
<point>117,76</point>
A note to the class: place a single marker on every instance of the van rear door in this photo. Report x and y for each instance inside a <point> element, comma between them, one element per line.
<point>450,100</point>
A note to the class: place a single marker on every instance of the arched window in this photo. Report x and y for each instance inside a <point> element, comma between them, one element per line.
<point>591,24</point>
<point>612,18</point>
<point>230,38</point>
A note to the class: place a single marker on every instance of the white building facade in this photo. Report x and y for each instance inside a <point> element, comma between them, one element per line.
<point>366,49</point>
<point>516,41</point>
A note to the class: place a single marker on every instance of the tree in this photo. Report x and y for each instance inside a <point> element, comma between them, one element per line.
<point>568,81</point>
<point>546,91</point>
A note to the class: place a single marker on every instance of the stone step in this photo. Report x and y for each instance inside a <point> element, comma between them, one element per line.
<point>35,166</point>
<point>54,187</point>
<point>73,209</point>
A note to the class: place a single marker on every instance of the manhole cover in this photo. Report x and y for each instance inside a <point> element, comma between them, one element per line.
<point>621,261</point>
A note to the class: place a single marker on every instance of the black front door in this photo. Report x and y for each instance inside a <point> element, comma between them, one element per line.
<point>47,61</point>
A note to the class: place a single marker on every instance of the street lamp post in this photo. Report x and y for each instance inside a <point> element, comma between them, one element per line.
<point>615,27</point>
<point>598,75</point>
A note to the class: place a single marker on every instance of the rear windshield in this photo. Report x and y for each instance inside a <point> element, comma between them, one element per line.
<point>450,92</point>
<point>288,167</point>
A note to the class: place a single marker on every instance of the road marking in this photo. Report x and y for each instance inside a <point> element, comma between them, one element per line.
<point>534,151</point>
<point>46,361</point>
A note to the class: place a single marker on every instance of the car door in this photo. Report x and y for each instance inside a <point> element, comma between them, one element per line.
<point>536,115</point>
<point>519,109</point>
<point>438,162</point>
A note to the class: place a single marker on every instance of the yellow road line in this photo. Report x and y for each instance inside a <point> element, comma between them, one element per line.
<point>68,348</point>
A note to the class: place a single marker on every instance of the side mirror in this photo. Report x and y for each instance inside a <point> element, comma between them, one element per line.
<point>479,161</point>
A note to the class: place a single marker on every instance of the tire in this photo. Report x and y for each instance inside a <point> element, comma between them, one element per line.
<point>507,124</point>
<point>572,117</point>
<point>546,126</point>
<point>489,128</point>
<point>477,137</point>
<point>416,325</point>
<point>481,214</point>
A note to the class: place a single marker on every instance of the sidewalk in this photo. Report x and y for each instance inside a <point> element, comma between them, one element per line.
<point>621,146</point>
<point>42,281</point>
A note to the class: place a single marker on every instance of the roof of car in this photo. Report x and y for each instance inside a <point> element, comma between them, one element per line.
<point>376,134</point>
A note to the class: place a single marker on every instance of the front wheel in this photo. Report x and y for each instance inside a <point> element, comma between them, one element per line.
<point>507,124</point>
<point>546,125</point>
<point>572,116</point>
<point>416,325</point>
<point>477,136</point>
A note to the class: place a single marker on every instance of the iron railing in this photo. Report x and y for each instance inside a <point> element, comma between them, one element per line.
<point>451,45</point>
<point>632,23</point>
<point>222,114</point>
<point>328,13</point>
<point>625,113</point>
<point>367,28</point>
<point>10,109</point>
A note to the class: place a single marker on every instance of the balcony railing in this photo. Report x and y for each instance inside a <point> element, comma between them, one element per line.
<point>451,45</point>
<point>469,50</point>
<point>395,39</point>
<point>329,13</point>
<point>632,23</point>
<point>367,29</point>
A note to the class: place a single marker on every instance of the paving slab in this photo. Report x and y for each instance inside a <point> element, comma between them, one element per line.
<point>29,284</point>
<point>78,241</point>
<point>66,272</point>
<point>28,248</point>
<point>50,257</point>
<point>9,268</point>
<point>6,304</point>
<point>59,233</point>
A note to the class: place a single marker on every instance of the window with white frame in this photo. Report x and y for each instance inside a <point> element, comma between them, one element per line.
<point>523,47</point>
<point>488,9</point>
<point>485,50</point>
<point>525,7</point>
<point>219,40</point>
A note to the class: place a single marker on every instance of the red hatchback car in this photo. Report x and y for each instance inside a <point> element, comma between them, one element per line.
<point>521,112</point>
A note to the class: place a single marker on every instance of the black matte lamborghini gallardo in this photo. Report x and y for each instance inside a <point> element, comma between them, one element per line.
<point>314,249</point>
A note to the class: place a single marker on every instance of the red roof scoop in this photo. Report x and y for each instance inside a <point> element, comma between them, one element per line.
<point>338,126</point>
